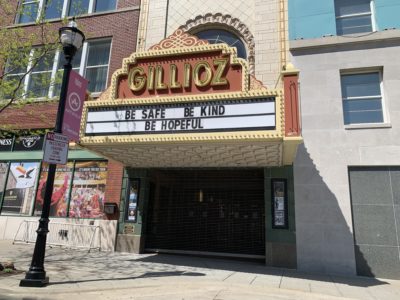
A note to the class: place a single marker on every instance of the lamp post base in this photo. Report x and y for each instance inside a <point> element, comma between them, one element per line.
<point>34,282</point>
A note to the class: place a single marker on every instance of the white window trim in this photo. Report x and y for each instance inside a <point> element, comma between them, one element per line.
<point>64,11</point>
<point>84,66</point>
<point>386,122</point>
<point>58,55</point>
<point>373,14</point>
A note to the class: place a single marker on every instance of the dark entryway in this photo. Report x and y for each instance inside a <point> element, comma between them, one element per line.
<point>219,211</point>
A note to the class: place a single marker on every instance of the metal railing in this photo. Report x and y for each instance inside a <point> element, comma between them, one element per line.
<point>69,235</point>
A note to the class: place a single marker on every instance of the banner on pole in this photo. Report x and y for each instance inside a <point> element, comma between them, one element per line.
<point>73,105</point>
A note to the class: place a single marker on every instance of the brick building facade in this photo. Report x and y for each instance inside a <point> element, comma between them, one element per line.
<point>111,29</point>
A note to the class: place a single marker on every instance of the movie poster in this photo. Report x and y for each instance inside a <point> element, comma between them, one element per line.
<point>61,188</point>
<point>279,204</point>
<point>20,188</point>
<point>3,177</point>
<point>132,198</point>
<point>88,187</point>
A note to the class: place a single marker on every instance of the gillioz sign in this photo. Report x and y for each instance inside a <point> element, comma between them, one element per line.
<point>205,69</point>
<point>187,103</point>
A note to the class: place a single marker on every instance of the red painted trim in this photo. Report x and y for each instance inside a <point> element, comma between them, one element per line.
<point>292,112</point>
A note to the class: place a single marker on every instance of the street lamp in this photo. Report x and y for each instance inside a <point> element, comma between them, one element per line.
<point>71,38</point>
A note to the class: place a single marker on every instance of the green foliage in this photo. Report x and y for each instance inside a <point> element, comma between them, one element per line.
<point>19,56</point>
<point>27,55</point>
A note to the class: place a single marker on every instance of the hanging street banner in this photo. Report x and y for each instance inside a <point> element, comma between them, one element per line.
<point>56,148</point>
<point>73,105</point>
<point>246,114</point>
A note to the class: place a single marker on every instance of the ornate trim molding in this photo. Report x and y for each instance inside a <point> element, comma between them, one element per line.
<point>177,49</point>
<point>256,84</point>
<point>225,22</point>
<point>178,39</point>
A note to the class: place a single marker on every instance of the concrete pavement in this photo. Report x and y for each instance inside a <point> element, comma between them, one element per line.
<point>111,275</point>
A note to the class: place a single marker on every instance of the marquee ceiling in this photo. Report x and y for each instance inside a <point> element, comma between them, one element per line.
<point>259,154</point>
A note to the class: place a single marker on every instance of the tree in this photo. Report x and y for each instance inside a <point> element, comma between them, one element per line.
<point>26,59</point>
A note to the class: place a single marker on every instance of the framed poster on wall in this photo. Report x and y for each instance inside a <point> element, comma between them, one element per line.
<point>20,188</point>
<point>279,204</point>
<point>132,197</point>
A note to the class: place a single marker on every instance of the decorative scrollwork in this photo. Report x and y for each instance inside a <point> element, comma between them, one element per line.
<point>178,39</point>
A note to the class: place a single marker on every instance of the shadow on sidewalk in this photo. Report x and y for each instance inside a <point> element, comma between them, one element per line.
<point>252,267</point>
<point>146,275</point>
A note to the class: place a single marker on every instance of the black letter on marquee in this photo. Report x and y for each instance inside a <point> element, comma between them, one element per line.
<point>189,112</point>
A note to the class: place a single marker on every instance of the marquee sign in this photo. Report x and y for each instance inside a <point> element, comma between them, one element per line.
<point>205,69</point>
<point>249,114</point>
<point>187,103</point>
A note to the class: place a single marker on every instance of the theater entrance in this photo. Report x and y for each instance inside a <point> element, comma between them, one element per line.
<point>207,211</point>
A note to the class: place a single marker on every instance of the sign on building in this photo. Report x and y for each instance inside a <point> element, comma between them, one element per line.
<point>247,114</point>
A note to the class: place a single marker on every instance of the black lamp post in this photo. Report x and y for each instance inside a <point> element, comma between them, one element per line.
<point>71,38</point>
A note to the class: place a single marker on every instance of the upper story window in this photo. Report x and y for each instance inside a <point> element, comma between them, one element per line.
<point>29,11</point>
<point>78,7</point>
<point>55,9</point>
<point>355,16</point>
<point>41,78</point>
<point>362,98</point>
<point>216,36</point>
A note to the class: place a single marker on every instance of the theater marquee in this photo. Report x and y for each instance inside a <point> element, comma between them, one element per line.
<point>183,102</point>
<point>250,114</point>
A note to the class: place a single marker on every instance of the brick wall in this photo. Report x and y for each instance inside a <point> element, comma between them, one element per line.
<point>30,116</point>
<point>114,185</point>
<point>121,26</point>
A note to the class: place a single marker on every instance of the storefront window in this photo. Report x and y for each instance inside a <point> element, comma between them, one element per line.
<point>59,199</point>
<point>78,191</point>
<point>20,188</point>
<point>87,196</point>
<point>3,177</point>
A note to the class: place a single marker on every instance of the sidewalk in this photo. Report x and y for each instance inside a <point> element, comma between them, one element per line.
<point>103,275</point>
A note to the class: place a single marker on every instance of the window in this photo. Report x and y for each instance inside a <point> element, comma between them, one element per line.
<point>104,5</point>
<point>79,7</point>
<point>97,65</point>
<point>20,188</point>
<point>216,36</point>
<point>353,16</point>
<point>29,11</point>
<point>78,191</point>
<point>55,9</point>
<point>44,80</point>
<point>362,98</point>
<point>40,77</point>
<point>14,72</point>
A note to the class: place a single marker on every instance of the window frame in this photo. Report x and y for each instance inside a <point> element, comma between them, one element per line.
<point>22,3</point>
<point>41,9</point>
<point>34,187</point>
<point>83,66</point>
<point>202,29</point>
<point>55,68</point>
<point>40,166</point>
<point>371,13</point>
<point>385,116</point>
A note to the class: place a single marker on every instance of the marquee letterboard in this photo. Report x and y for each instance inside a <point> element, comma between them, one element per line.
<point>238,115</point>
